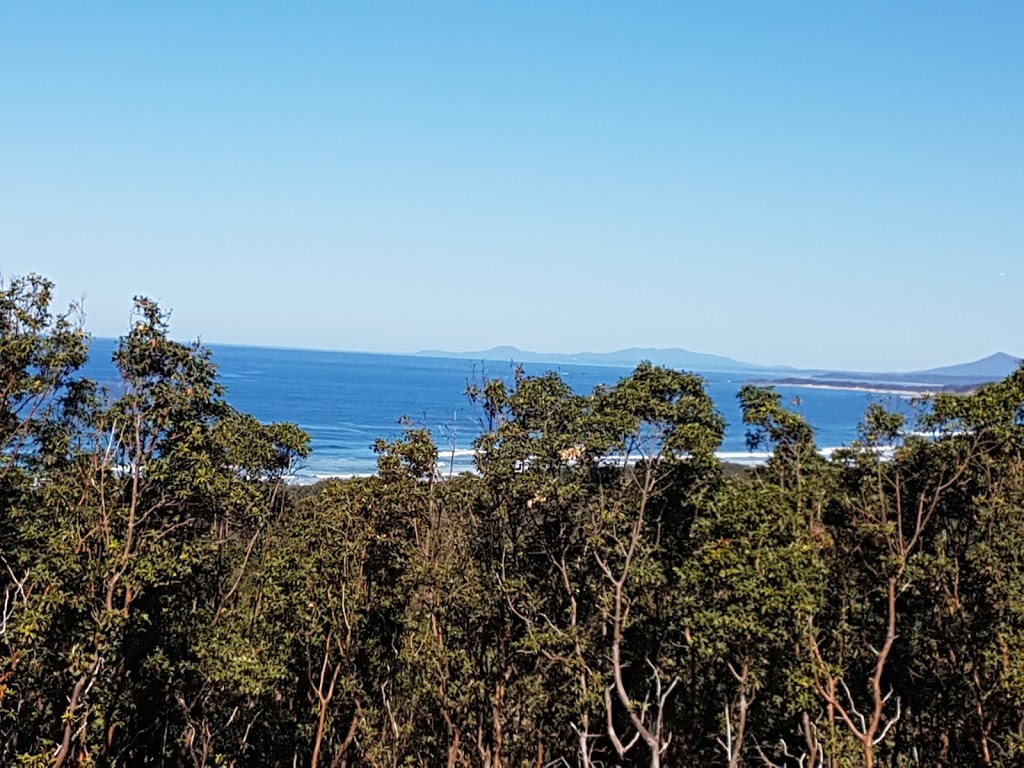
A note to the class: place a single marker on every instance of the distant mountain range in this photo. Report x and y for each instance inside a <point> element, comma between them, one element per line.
<point>622,358</point>
<point>960,377</point>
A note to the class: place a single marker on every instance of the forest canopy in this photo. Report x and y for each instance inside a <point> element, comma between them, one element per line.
<point>598,593</point>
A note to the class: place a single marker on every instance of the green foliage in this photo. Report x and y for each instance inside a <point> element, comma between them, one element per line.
<point>130,518</point>
<point>600,592</point>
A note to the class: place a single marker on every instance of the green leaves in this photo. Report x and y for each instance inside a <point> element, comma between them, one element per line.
<point>771,426</point>
<point>167,599</point>
<point>133,532</point>
<point>660,412</point>
<point>40,396</point>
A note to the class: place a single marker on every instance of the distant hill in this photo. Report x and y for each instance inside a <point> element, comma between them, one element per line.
<point>994,367</point>
<point>622,358</point>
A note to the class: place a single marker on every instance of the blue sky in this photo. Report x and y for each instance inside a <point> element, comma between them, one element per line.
<point>820,184</point>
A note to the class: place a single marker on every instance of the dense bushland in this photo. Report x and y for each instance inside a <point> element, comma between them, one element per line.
<point>600,593</point>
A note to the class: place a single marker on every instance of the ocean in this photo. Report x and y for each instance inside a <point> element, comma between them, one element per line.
<point>346,400</point>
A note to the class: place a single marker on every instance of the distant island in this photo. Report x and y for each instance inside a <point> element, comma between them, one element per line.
<point>962,377</point>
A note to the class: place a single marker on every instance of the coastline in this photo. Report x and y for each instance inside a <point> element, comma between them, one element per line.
<point>738,459</point>
<point>867,388</point>
<point>906,389</point>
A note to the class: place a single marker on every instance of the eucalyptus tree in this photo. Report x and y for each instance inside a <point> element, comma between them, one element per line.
<point>131,510</point>
<point>42,398</point>
<point>966,704</point>
<point>757,573</point>
<point>592,499</point>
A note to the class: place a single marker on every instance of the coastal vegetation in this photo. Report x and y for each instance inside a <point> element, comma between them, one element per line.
<point>600,592</point>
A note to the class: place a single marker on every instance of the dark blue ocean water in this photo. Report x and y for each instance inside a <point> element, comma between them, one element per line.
<point>346,400</point>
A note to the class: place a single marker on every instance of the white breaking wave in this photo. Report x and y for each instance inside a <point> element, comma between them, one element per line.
<point>751,458</point>
<point>457,453</point>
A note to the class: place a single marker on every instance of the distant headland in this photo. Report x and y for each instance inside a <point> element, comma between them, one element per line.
<point>960,378</point>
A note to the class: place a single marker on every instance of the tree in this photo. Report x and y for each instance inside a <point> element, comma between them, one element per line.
<point>42,401</point>
<point>117,532</point>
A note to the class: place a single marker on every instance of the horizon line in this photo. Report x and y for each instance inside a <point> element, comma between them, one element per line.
<point>452,354</point>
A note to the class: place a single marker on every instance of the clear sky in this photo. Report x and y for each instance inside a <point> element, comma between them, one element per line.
<point>821,184</point>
